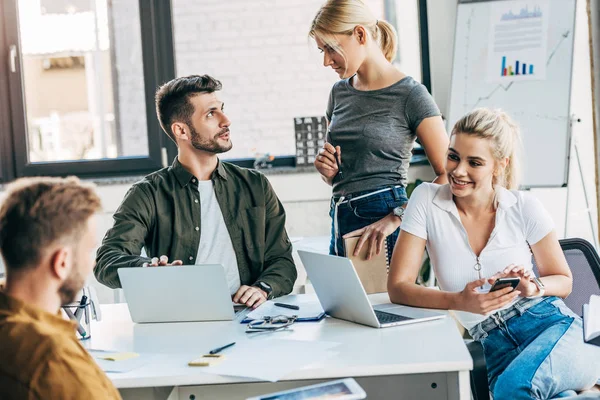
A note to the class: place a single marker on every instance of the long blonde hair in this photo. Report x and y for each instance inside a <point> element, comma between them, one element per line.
<point>340,17</point>
<point>504,134</point>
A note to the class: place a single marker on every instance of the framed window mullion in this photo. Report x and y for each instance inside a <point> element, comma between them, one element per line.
<point>424,34</point>
<point>15,88</point>
<point>159,65</point>
<point>7,161</point>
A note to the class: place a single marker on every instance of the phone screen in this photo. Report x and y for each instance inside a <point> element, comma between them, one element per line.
<point>502,283</point>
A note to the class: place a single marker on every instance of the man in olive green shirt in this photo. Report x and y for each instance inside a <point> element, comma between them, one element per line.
<point>47,241</point>
<point>201,210</point>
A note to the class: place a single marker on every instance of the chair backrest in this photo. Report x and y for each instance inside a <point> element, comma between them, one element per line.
<point>585,266</point>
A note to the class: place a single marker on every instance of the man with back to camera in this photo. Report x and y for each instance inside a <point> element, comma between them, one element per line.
<point>201,210</point>
<point>47,241</point>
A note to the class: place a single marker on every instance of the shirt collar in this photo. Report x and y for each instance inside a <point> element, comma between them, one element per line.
<point>443,199</point>
<point>13,306</point>
<point>184,176</point>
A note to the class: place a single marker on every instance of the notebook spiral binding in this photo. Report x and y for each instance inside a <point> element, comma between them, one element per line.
<point>387,256</point>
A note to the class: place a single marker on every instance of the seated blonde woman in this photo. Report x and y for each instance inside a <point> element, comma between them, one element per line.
<point>479,228</point>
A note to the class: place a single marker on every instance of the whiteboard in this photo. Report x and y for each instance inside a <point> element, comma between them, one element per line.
<point>517,55</point>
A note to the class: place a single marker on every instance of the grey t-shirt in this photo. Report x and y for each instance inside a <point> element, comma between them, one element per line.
<point>376,130</point>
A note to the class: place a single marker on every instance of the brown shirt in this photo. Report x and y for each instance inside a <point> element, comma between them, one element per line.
<point>41,358</point>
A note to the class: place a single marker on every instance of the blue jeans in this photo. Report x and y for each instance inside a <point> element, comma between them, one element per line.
<point>356,214</point>
<point>537,352</point>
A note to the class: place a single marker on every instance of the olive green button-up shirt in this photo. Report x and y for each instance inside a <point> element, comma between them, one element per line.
<point>162,214</point>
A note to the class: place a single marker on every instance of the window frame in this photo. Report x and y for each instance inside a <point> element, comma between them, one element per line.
<point>158,66</point>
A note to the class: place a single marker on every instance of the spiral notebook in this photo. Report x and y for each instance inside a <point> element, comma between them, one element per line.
<point>372,273</point>
<point>591,321</point>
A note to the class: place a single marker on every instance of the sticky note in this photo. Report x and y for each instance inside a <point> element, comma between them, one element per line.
<point>119,356</point>
<point>207,360</point>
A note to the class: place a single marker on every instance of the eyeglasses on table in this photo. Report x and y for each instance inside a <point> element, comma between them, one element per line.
<point>271,324</point>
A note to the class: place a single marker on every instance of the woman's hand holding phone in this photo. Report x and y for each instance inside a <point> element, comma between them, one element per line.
<point>526,286</point>
<point>471,300</point>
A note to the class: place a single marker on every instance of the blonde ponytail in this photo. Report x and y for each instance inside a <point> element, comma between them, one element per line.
<point>340,17</point>
<point>505,136</point>
<point>388,39</point>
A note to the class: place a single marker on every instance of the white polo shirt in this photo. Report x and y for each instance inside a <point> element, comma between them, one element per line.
<point>521,220</point>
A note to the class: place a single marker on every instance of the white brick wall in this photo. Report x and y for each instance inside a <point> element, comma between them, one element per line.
<point>271,71</point>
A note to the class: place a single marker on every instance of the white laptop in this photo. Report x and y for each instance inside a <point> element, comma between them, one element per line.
<point>342,295</point>
<point>177,294</point>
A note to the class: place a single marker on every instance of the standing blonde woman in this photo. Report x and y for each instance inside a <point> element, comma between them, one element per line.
<point>375,113</point>
<point>477,229</point>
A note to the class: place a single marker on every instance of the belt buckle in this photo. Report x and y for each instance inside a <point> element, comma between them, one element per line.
<point>496,319</point>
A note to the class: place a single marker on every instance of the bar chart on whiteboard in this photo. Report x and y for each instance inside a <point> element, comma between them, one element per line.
<point>517,41</point>
<point>517,55</point>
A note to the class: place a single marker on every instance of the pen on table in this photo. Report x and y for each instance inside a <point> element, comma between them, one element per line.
<point>219,349</point>
<point>80,308</point>
<point>290,306</point>
<point>72,317</point>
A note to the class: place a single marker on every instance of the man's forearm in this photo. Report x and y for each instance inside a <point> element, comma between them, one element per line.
<point>280,274</point>
<point>109,261</point>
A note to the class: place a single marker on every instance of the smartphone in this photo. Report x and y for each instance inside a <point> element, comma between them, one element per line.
<point>502,283</point>
<point>342,389</point>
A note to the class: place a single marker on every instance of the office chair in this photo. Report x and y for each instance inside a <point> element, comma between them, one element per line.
<point>585,266</point>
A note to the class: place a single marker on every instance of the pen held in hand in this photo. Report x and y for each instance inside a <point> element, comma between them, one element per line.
<point>338,163</point>
<point>290,306</point>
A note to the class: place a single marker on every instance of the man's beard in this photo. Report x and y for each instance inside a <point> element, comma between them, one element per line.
<point>211,145</point>
<point>71,286</point>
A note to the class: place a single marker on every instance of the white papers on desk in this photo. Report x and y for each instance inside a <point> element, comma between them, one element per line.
<point>270,359</point>
<point>309,308</point>
<point>121,366</point>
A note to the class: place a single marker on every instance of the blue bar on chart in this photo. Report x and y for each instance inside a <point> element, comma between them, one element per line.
<point>520,68</point>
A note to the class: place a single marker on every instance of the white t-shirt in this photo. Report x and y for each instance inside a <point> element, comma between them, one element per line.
<point>521,220</point>
<point>215,243</point>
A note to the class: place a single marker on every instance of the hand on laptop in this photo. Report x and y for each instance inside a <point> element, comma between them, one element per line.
<point>162,262</point>
<point>251,296</point>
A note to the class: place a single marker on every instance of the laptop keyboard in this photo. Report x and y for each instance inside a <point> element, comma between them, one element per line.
<point>387,318</point>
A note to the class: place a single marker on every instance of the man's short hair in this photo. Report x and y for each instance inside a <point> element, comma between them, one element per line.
<point>172,99</point>
<point>38,212</point>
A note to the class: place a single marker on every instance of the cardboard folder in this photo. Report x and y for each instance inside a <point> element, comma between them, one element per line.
<point>372,273</point>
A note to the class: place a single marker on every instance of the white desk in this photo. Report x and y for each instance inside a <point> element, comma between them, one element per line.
<point>426,360</point>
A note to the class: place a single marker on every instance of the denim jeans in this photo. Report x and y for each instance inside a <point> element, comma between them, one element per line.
<point>356,214</point>
<point>537,352</point>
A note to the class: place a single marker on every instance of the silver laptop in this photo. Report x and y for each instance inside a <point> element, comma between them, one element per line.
<point>342,295</point>
<point>177,294</point>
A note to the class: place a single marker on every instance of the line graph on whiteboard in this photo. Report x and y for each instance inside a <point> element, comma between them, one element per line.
<point>517,55</point>
<point>506,87</point>
<point>473,98</point>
